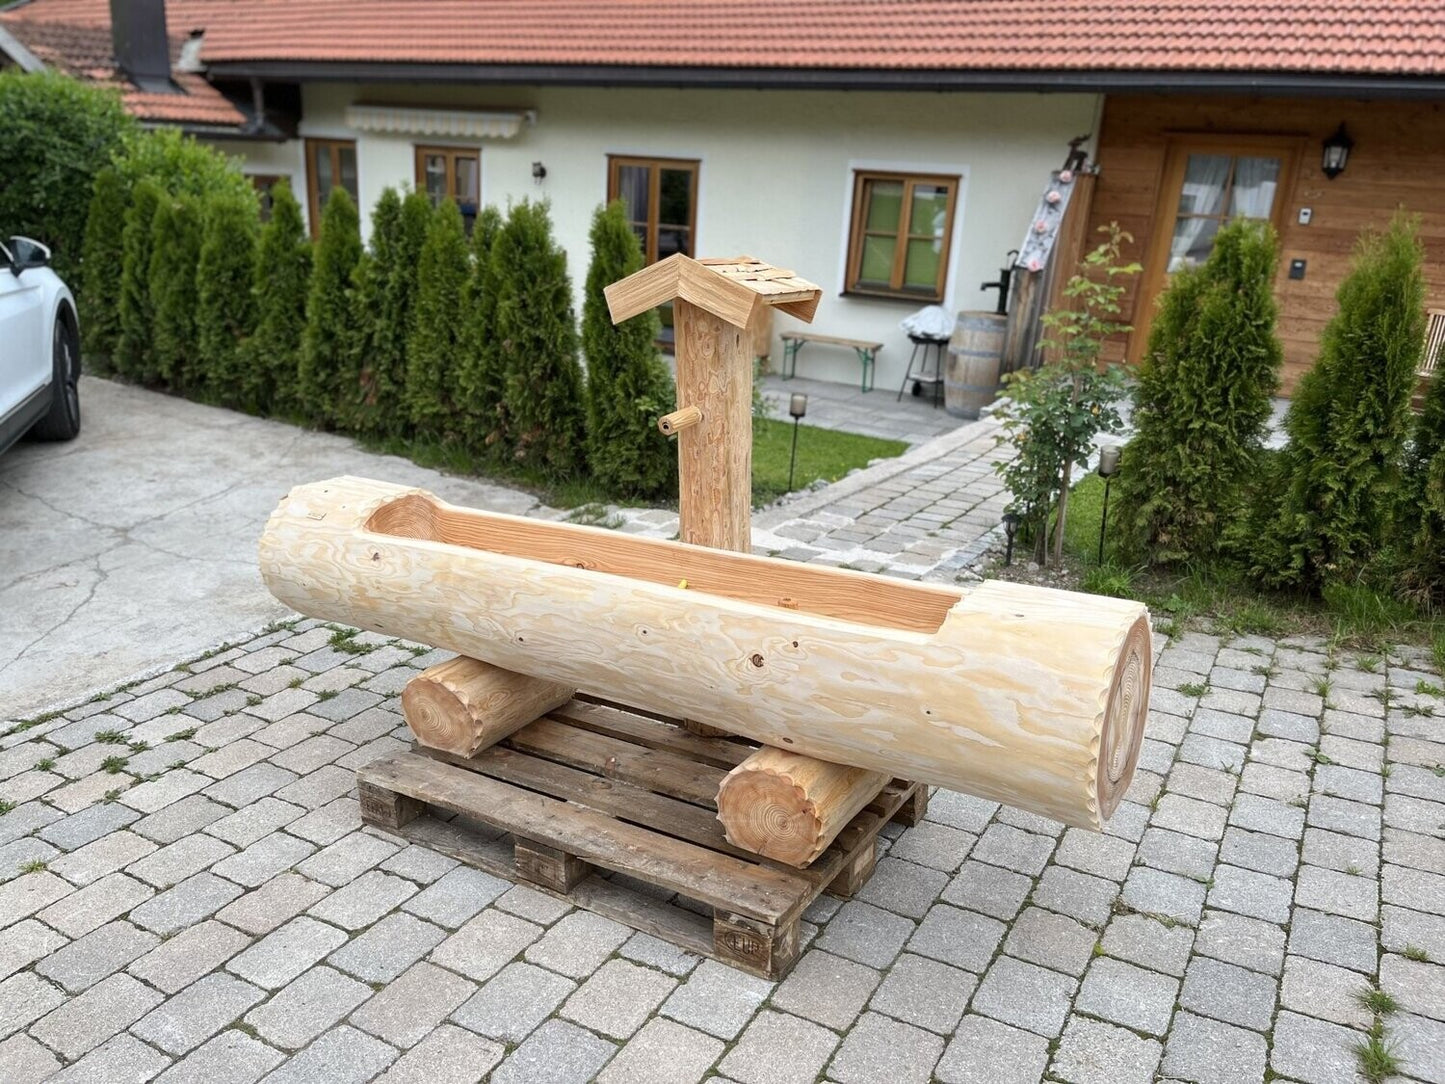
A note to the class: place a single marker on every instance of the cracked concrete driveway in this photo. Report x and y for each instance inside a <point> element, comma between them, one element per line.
<point>135,545</point>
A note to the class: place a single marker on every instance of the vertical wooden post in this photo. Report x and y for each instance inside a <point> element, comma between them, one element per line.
<point>714,457</point>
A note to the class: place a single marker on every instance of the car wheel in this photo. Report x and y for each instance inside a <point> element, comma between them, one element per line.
<point>63,420</point>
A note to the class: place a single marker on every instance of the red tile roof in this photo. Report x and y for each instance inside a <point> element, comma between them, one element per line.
<point>1384,37</point>
<point>73,36</point>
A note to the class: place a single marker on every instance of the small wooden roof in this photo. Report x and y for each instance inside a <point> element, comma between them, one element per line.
<point>731,289</point>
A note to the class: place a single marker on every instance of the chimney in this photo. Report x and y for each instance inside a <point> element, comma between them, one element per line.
<point>142,52</point>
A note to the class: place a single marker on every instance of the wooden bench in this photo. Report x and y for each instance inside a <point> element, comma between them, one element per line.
<point>793,341</point>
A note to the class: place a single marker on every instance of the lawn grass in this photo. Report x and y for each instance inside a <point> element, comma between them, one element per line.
<point>822,453</point>
<point>1217,598</point>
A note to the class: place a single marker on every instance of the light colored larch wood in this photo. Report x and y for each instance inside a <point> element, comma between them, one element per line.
<point>790,807</point>
<point>463,705</point>
<point>678,420</point>
<point>1024,695</point>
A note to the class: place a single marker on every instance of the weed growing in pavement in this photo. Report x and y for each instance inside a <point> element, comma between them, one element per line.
<point>1377,1002</point>
<point>1194,688</point>
<point>1376,1056</point>
<point>1416,953</point>
<point>114,765</point>
<point>35,865</point>
<point>110,737</point>
<point>344,640</point>
<point>44,764</point>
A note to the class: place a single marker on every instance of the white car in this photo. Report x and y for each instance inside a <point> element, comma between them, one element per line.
<point>39,347</point>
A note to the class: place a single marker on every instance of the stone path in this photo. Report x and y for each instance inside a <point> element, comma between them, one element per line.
<point>186,894</point>
<point>876,413</point>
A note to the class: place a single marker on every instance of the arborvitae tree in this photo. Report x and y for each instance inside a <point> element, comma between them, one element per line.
<point>175,252</point>
<point>226,306</point>
<point>386,286</point>
<point>537,341</point>
<point>326,344</point>
<point>283,269</point>
<point>434,346</point>
<point>481,383</point>
<point>102,260</point>
<point>133,354</point>
<point>1422,552</point>
<point>1349,420</point>
<point>628,386</point>
<point>1202,404</point>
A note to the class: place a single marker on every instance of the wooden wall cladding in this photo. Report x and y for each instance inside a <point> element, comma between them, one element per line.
<point>1398,161</point>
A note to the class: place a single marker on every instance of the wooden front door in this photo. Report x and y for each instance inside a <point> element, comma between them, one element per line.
<point>1208,180</point>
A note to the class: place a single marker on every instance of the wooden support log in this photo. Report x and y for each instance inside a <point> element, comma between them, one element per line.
<point>463,705</point>
<point>678,420</point>
<point>789,807</point>
<point>1024,695</point>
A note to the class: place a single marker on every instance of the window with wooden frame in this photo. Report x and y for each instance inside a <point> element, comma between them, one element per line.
<point>263,183</point>
<point>899,235</point>
<point>451,173</point>
<point>661,199</point>
<point>330,163</point>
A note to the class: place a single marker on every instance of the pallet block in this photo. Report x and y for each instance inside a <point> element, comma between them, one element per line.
<point>613,810</point>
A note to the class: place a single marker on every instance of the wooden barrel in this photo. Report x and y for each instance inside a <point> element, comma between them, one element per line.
<point>971,380</point>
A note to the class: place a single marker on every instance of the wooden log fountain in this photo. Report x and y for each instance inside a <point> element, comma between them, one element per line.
<point>1025,695</point>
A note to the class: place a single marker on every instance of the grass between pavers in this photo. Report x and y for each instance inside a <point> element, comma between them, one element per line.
<point>1353,617</point>
<point>826,454</point>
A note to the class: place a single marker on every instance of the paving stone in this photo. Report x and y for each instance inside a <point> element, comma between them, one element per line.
<point>251,785</point>
<point>196,1013</point>
<point>1337,893</point>
<point>1260,814</point>
<point>282,955</point>
<point>1211,752</point>
<point>25,997</point>
<point>1419,987</point>
<point>26,895</point>
<point>173,863</point>
<point>1348,854</point>
<point>1208,1052</point>
<point>1174,853</point>
<point>827,989</point>
<point>1088,899</point>
<point>988,889</point>
<point>328,824</point>
<point>1011,848</point>
<point>84,1022</point>
<point>717,999</point>
<point>1246,892</point>
<point>1401,927</point>
<point>321,786</point>
<point>448,1055</point>
<point>1340,815</point>
<point>1228,993</point>
<point>1275,723</point>
<point>1335,939</point>
<point>419,864</point>
<point>194,899</point>
<point>1408,887</point>
<point>179,820</point>
<point>411,1006</point>
<point>866,934</point>
<point>933,845</point>
<point>1094,1053</point>
<point>486,943</point>
<point>346,859</point>
<point>26,942</point>
<point>779,1049</point>
<point>231,1056</point>
<point>878,1048</point>
<point>984,1051</point>
<point>342,1056</point>
<point>1025,995</point>
<point>1260,851</point>
<point>121,1060</point>
<point>18,854</point>
<point>1095,853</point>
<point>156,794</point>
<point>1420,1044</point>
<point>231,758</point>
<point>1052,940</point>
<point>306,1007</point>
<point>1154,892</point>
<point>456,896</point>
<point>514,1002</point>
<point>78,829</point>
<point>962,811</point>
<point>1236,939</point>
<point>1313,1051</point>
<point>275,902</point>
<point>924,993</point>
<point>1203,784</point>
<point>263,859</point>
<point>364,900</point>
<point>903,888</point>
<point>663,1052</point>
<point>25,1061</point>
<point>1125,994</point>
<point>618,998</point>
<point>1145,941</point>
<point>657,953</point>
<point>257,820</point>
<point>85,962</point>
<point>180,960</point>
<point>1324,990</point>
<point>388,948</point>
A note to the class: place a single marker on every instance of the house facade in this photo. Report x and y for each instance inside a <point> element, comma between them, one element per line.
<point>894,154</point>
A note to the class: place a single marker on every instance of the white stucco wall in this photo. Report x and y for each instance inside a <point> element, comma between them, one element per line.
<point>775,180</point>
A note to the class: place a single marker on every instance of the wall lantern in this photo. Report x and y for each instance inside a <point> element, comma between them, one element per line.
<point>539,172</point>
<point>1337,153</point>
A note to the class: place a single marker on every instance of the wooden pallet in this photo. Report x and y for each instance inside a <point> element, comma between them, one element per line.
<point>614,811</point>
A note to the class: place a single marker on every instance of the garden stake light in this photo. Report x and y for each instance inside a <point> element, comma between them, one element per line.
<point>1108,466</point>
<point>1010,528</point>
<point>797,407</point>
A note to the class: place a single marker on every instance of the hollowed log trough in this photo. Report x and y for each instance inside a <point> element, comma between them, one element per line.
<point>1029,696</point>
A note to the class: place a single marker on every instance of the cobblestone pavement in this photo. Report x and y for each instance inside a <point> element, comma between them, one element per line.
<point>186,894</point>
<point>876,413</point>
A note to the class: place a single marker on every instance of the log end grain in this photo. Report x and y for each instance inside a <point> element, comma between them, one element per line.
<point>1126,710</point>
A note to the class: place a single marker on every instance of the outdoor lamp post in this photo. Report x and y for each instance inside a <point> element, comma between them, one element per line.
<point>1010,528</point>
<point>1108,465</point>
<point>1337,153</point>
<point>797,407</point>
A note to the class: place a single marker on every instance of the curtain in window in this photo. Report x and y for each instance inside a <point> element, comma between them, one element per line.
<point>1255,180</point>
<point>1200,198</point>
